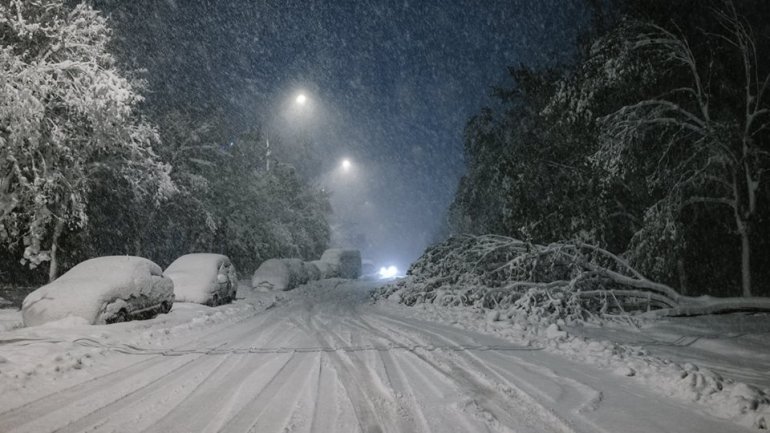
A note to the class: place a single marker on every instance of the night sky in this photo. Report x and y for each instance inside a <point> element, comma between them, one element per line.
<point>391,85</point>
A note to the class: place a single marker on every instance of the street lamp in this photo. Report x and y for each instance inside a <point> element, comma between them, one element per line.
<point>346,164</point>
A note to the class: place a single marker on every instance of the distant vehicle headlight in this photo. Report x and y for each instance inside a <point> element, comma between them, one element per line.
<point>388,272</point>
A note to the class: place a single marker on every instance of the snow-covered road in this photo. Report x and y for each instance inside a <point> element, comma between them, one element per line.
<point>327,360</point>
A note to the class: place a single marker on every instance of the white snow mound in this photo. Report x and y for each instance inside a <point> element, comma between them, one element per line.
<point>97,289</point>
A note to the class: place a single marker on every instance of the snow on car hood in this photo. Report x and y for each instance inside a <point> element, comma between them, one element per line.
<point>87,289</point>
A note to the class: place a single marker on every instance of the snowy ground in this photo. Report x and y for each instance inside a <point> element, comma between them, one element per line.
<point>324,359</point>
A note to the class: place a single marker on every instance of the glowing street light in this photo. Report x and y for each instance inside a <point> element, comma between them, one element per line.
<point>346,164</point>
<point>301,99</point>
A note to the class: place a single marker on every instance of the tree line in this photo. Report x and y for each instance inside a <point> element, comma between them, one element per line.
<point>88,168</point>
<point>653,144</point>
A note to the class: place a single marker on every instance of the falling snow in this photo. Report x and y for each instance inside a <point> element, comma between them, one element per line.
<point>384,216</point>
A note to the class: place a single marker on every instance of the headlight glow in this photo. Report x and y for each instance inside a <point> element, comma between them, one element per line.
<point>388,272</point>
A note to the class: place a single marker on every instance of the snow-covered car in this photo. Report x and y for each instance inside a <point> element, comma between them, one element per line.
<point>280,274</point>
<point>346,261</point>
<point>327,270</point>
<point>203,278</point>
<point>102,290</point>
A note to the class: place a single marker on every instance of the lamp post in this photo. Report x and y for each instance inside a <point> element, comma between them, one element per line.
<point>267,151</point>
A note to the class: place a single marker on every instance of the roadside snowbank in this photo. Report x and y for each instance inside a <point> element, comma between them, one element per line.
<point>10,318</point>
<point>744,403</point>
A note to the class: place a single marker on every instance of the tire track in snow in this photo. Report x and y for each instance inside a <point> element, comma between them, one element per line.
<point>292,408</point>
<point>374,406</point>
<point>444,388</point>
<point>207,409</point>
<point>248,417</point>
<point>489,389</point>
<point>442,383</point>
<point>47,413</point>
<point>422,400</point>
<point>476,396</point>
<point>155,400</point>
<point>333,411</point>
<point>129,379</point>
<point>143,406</point>
<point>485,419</point>
<point>613,404</point>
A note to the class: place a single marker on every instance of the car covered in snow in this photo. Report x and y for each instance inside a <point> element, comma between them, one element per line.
<point>280,274</point>
<point>203,278</point>
<point>346,262</point>
<point>102,290</point>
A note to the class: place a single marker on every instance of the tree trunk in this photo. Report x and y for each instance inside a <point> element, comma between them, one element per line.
<point>745,259</point>
<point>53,270</point>
<point>682,276</point>
<point>138,246</point>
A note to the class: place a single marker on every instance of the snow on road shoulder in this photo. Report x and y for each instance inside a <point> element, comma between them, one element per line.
<point>744,403</point>
<point>42,359</point>
<point>10,318</point>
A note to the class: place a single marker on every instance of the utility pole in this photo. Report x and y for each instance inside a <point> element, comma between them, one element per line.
<point>267,152</point>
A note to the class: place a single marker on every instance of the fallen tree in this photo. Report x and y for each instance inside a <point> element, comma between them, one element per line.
<point>570,280</point>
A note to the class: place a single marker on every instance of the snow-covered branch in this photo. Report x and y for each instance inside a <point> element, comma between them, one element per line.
<point>572,280</point>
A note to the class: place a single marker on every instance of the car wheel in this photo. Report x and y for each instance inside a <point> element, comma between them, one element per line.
<point>165,307</point>
<point>214,300</point>
<point>120,317</point>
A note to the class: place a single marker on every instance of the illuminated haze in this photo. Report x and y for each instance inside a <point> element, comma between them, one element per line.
<point>387,85</point>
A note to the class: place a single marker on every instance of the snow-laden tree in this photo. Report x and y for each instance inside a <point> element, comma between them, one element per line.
<point>67,114</point>
<point>711,128</point>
